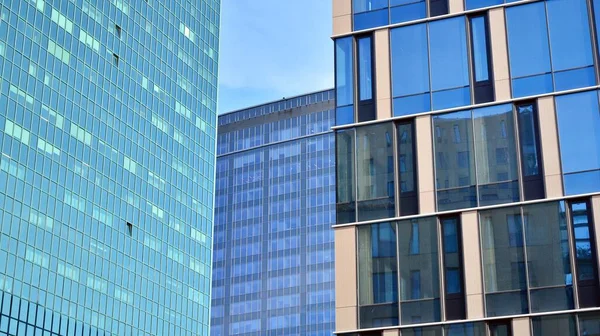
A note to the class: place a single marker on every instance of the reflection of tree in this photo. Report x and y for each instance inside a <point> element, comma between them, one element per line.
<point>584,252</point>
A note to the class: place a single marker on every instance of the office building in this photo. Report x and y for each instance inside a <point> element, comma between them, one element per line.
<point>274,208</point>
<point>107,133</point>
<point>468,178</point>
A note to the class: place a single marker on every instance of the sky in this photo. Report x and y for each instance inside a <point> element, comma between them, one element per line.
<point>270,49</point>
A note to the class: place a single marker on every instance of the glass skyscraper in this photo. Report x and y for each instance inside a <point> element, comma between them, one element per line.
<point>108,139</point>
<point>275,203</point>
<point>468,167</point>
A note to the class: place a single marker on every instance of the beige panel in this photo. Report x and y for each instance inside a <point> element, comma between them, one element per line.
<point>345,267</point>
<point>394,332</point>
<point>342,24</point>
<point>521,327</point>
<point>382,63</point>
<point>475,306</point>
<point>549,145</point>
<point>502,89</point>
<point>456,6</point>
<point>425,164</point>
<point>384,108</point>
<point>346,319</point>
<point>471,253</point>
<point>342,7</point>
<point>497,26</point>
<point>596,209</point>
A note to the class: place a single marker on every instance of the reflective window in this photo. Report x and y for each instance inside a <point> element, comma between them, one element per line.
<point>482,82</point>
<point>531,163</point>
<point>541,39</point>
<point>589,324</point>
<point>449,63</point>
<point>374,150</point>
<point>407,170</point>
<point>345,165</point>
<point>554,325</point>
<point>407,10</point>
<point>473,4</point>
<point>410,70</point>
<point>376,13</point>
<point>585,254</point>
<point>377,275</point>
<point>365,69</point>
<point>419,271</point>
<point>578,118</point>
<point>344,80</point>
<point>453,269</point>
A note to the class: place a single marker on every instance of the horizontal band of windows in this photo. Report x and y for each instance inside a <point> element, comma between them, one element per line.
<point>480,208</point>
<point>474,320</point>
<point>468,107</point>
<point>429,19</point>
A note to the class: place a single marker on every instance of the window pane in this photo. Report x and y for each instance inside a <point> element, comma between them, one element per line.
<point>528,140</point>
<point>495,147</point>
<point>419,273</point>
<point>579,131</point>
<point>408,10</point>
<point>377,276</point>
<point>368,5</point>
<point>346,208</point>
<point>466,329</point>
<point>480,55</point>
<point>473,4</point>
<point>548,257</point>
<point>452,256</point>
<point>372,19</point>
<point>527,40</point>
<point>427,331</point>
<point>375,173</point>
<point>503,261</point>
<point>365,69</point>
<point>406,158</point>
<point>449,62</point>
<point>589,324</point>
<point>585,255</point>
<point>569,34</point>
<point>343,71</point>
<point>410,61</point>
<point>563,325</point>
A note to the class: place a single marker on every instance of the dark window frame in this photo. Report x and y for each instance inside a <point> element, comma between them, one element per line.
<point>409,200</point>
<point>533,185</point>
<point>455,303</point>
<point>483,91</point>
<point>365,110</point>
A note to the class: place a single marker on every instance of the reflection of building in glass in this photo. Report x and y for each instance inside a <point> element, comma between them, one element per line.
<point>468,168</point>
<point>107,133</point>
<point>275,204</point>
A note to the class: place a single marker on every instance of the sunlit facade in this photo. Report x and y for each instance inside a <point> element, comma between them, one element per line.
<point>108,139</point>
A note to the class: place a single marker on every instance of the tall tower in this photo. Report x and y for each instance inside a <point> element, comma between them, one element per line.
<point>468,170</point>
<point>275,204</point>
<point>107,133</point>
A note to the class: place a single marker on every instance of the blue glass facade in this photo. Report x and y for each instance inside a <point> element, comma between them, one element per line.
<point>107,134</point>
<point>275,204</point>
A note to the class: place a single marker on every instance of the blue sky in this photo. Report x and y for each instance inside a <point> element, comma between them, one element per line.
<point>270,49</point>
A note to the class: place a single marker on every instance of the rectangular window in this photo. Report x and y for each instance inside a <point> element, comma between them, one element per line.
<point>370,13</point>
<point>407,10</point>
<point>409,204</point>
<point>531,163</point>
<point>419,271</point>
<point>377,275</point>
<point>585,254</point>
<point>578,118</point>
<point>410,70</point>
<point>453,268</point>
<point>563,325</point>
<point>344,80</point>
<point>549,47</point>
<point>483,88</point>
<point>345,167</point>
<point>366,105</point>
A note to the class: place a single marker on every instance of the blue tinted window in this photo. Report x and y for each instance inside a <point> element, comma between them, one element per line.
<point>410,69</point>
<point>343,71</point>
<point>579,132</point>
<point>407,10</point>
<point>368,5</point>
<point>449,62</point>
<point>365,69</point>
<point>480,55</point>
<point>528,40</point>
<point>472,4</point>
<point>372,19</point>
